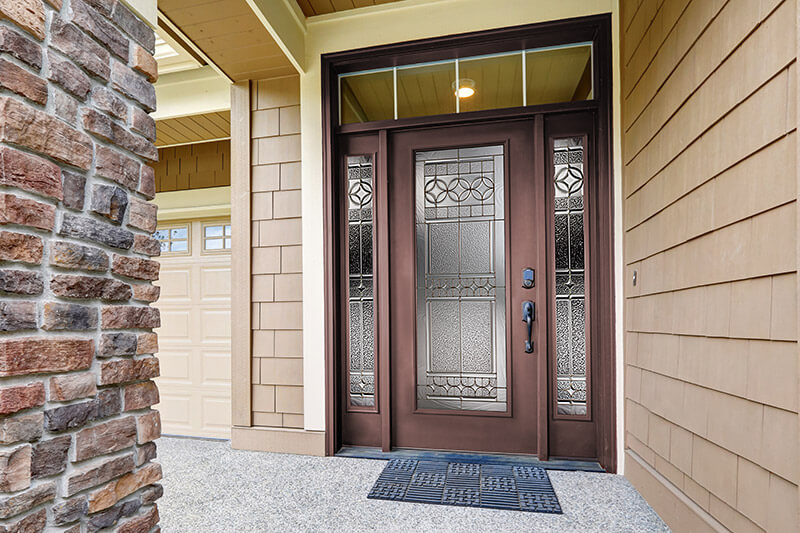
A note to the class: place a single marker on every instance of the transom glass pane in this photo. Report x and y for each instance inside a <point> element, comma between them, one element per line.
<point>561,74</point>
<point>425,90</point>
<point>367,97</point>
<point>570,304</point>
<point>492,82</point>
<point>361,300</point>
<point>499,81</point>
<point>460,234</point>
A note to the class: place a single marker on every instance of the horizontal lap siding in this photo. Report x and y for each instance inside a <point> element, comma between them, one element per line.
<point>709,91</point>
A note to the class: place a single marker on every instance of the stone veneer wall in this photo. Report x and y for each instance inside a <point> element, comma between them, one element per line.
<point>76,346</point>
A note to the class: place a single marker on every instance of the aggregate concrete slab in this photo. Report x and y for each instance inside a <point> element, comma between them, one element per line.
<point>209,487</point>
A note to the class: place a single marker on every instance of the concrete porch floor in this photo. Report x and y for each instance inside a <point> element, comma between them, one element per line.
<point>209,487</point>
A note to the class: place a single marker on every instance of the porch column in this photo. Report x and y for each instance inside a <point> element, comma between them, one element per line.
<point>77,349</point>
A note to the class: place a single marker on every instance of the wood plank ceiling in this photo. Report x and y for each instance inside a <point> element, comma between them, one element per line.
<point>230,34</point>
<point>321,7</point>
<point>193,129</point>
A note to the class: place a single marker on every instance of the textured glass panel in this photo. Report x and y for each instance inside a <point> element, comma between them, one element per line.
<point>164,246</point>
<point>444,247</point>
<point>179,246</point>
<point>476,336</point>
<point>476,247</point>
<point>368,336</point>
<point>568,159</point>
<point>576,240</point>
<point>461,358</point>
<point>228,243</point>
<point>444,325</point>
<point>356,325</point>
<point>367,96</point>
<point>359,187</point>
<point>562,242</point>
<point>354,244</point>
<point>161,234</point>
<point>179,233</point>
<point>227,230</point>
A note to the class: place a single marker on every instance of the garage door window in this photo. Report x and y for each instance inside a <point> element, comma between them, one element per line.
<point>217,237</point>
<point>174,239</point>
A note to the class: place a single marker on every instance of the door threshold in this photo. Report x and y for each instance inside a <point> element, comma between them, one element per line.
<point>364,452</point>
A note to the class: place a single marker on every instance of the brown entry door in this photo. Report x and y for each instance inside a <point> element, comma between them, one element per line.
<point>487,299</point>
<point>466,218</point>
<point>473,288</point>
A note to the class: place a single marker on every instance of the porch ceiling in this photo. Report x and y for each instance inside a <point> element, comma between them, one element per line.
<point>321,7</point>
<point>229,34</point>
<point>194,128</point>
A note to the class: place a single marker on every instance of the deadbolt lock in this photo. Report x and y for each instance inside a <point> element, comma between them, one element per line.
<point>527,278</point>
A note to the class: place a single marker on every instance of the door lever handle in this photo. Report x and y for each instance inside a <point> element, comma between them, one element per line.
<point>528,311</point>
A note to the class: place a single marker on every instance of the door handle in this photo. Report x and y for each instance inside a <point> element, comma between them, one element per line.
<point>528,310</point>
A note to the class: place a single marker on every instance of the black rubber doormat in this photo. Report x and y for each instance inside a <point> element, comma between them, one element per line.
<point>513,487</point>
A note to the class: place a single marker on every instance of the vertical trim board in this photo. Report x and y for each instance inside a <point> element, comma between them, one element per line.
<point>240,258</point>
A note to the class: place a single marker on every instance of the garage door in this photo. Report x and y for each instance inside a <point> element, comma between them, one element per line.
<point>195,333</point>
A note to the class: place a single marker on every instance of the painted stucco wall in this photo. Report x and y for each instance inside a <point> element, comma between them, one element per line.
<point>710,185</point>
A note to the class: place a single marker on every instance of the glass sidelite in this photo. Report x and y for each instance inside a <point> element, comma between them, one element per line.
<point>570,304</point>
<point>361,281</point>
<point>460,239</point>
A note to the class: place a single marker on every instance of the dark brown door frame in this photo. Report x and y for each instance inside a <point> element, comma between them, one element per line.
<point>596,29</point>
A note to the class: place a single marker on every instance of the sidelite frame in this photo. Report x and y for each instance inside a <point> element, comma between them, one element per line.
<point>373,139</point>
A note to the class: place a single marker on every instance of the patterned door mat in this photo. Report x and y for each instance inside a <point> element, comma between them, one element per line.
<point>518,488</point>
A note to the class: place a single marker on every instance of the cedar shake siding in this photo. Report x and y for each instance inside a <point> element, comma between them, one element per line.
<point>709,95</point>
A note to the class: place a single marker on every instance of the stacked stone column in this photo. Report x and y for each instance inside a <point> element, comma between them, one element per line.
<point>77,429</point>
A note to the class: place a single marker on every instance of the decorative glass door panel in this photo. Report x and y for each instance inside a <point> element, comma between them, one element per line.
<point>361,301</point>
<point>570,274</point>
<point>461,289</point>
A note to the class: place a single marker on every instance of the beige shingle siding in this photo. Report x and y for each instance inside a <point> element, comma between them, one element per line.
<point>277,373</point>
<point>709,93</point>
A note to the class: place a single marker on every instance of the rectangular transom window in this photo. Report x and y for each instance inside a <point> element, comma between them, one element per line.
<point>537,76</point>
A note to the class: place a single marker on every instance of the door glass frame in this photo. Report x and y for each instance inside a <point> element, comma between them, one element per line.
<point>587,211</point>
<point>596,29</point>
<point>502,363</point>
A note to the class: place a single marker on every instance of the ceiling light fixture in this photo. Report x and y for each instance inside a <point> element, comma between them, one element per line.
<point>466,88</point>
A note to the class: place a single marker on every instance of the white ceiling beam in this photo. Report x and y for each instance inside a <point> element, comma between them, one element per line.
<point>191,92</point>
<point>286,24</point>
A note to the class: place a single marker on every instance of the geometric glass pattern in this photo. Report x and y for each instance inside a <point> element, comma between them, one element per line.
<point>174,239</point>
<point>568,159</point>
<point>361,301</point>
<point>461,326</point>
<point>496,486</point>
<point>217,237</point>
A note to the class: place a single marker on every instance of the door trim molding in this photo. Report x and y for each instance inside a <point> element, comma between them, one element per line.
<point>595,28</point>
